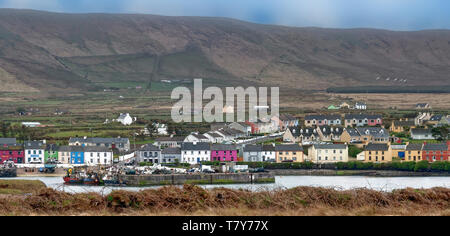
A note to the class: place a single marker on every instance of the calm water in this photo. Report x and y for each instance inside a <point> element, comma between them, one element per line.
<point>283,182</point>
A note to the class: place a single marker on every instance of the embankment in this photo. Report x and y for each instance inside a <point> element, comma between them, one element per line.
<point>242,178</point>
<point>376,173</point>
<point>34,172</point>
<point>195,200</point>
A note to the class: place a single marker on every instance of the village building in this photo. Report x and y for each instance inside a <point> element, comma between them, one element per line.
<point>285,121</point>
<point>241,126</point>
<point>161,129</point>
<point>361,106</point>
<point>11,151</point>
<point>98,156</point>
<point>434,120</point>
<point>413,152</point>
<point>289,153</point>
<point>360,120</point>
<point>253,153</point>
<point>292,135</point>
<point>422,118</point>
<point>373,135</point>
<point>171,155</point>
<point>196,137</point>
<point>421,134</point>
<point>378,153</point>
<point>269,153</point>
<point>224,153</point>
<point>399,126</point>
<point>445,121</point>
<point>34,152</point>
<point>263,127</point>
<point>423,106</point>
<point>195,153</point>
<point>77,155</point>
<point>51,153</point>
<point>350,135</point>
<point>149,153</point>
<point>345,105</point>
<point>329,133</point>
<point>214,137</point>
<point>126,119</point>
<point>64,153</point>
<point>398,151</point>
<point>333,107</point>
<point>432,152</point>
<point>230,134</point>
<point>168,142</point>
<point>122,144</point>
<point>328,153</point>
<point>320,120</point>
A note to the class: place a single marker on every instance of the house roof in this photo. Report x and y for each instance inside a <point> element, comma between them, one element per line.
<point>403,123</point>
<point>150,147</point>
<point>223,147</point>
<point>376,132</point>
<point>302,131</point>
<point>268,148</point>
<point>199,136</point>
<point>96,149</point>
<point>7,141</point>
<point>99,140</point>
<point>323,117</point>
<point>171,151</point>
<point>214,135</point>
<point>376,147</point>
<point>436,118</point>
<point>353,132</point>
<point>169,139</point>
<point>420,131</point>
<point>414,146</point>
<point>327,130</point>
<point>51,147</point>
<point>196,146</point>
<point>289,147</point>
<point>422,105</point>
<point>362,117</point>
<point>330,146</point>
<point>435,147</point>
<point>252,148</point>
<point>34,145</point>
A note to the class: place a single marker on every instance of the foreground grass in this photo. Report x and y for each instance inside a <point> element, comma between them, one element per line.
<point>194,200</point>
<point>17,187</point>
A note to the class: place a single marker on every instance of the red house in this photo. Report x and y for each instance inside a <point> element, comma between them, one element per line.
<point>11,151</point>
<point>436,152</point>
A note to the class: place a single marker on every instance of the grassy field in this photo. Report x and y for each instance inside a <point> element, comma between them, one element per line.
<point>193,200</point>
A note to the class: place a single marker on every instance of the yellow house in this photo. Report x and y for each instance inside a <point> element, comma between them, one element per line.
<point>289,153</point>
<point>378,152</point>
<point>413,152</point>
<point>398,126</point>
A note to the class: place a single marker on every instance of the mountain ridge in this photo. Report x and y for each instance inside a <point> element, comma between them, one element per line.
<point>77,52</point>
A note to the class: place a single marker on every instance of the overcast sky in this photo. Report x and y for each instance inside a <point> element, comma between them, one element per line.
<point>385,14</point>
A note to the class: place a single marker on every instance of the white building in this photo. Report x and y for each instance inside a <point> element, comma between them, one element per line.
<point>197,138</point>
<point>328,153</point>
<point>361,106</point>
<point>161,129</point>
<point>34,152</point>
<point>268,153</point>
<point>126,119</point>
<point>194,153</point>
<point>98,156</point>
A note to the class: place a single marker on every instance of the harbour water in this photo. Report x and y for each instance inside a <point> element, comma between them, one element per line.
<point>282,182</point>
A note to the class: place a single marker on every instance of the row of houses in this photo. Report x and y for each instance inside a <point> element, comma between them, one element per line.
<point>430,152</point>
<point>83,151</point>
<point>350,120</point>
<point>359,135</point>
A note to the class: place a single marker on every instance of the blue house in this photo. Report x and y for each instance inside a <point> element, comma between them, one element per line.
<point>77,155</point>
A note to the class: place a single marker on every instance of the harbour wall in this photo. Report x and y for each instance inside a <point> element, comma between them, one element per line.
<point>374,173</point>
<point>242,178</point>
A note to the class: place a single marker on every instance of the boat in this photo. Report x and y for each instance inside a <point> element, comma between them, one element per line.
<point>8,170</point>
<point>80,178</point>
<point>72,180</point>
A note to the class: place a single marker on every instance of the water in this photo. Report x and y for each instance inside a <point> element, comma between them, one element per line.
<point>282,182</point>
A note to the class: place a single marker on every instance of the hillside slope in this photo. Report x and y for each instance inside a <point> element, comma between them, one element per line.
<point>79,52</point>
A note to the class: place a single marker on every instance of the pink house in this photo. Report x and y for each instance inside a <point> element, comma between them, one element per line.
<point>223,152</point>
<point>11,152</point>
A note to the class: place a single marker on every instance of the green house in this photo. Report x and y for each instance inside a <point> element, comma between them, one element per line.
<point>51,152</point>
<point>333,107</point>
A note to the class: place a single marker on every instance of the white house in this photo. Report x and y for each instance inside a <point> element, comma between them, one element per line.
<point>268,153</point>
<point>98,156</point>
<point>328,153</point>
<point>361,106</point>
<point>194,153</point>
<point>126,119</point>
<point>34,152</point>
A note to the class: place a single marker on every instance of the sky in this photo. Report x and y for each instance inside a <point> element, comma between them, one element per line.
<point>382,14</point>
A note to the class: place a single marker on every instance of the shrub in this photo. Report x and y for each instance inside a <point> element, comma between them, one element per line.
<point>421,166</point>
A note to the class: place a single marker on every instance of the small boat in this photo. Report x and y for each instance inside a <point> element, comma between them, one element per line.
<point>89,181</point>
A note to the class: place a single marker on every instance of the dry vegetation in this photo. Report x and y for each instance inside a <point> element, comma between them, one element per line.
<point>193,200</point>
